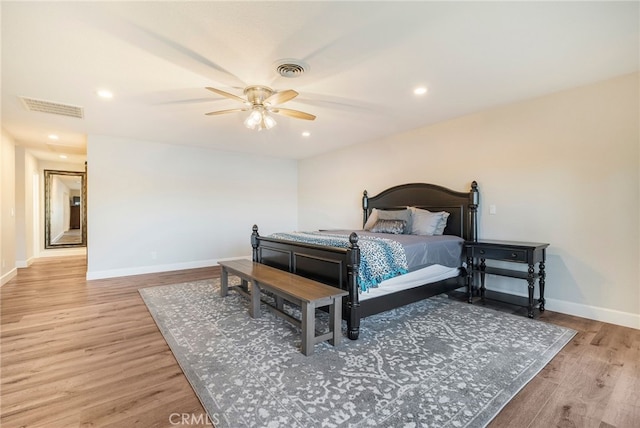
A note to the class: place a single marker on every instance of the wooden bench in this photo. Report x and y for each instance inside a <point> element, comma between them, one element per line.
<point>302,291</point>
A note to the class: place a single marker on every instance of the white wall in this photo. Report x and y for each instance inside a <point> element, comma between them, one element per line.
<point>155,207</point>
<point>7,209</point>
<point>26,225</point>
<point>562,169</point>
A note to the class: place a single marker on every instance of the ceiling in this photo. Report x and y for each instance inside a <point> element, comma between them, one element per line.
<point>364,58</point>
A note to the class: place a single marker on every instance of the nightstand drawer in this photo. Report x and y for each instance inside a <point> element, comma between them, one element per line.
<point>501,254</point>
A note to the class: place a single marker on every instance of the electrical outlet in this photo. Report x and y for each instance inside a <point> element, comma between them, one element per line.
<point>492,209</point>
<point>154,255</point>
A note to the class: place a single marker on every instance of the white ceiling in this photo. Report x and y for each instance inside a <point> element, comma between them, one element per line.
<point>365,59</point>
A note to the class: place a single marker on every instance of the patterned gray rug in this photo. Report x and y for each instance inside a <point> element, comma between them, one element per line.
<point>435,363</point>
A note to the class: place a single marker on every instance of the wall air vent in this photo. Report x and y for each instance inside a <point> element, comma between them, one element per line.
<point>54,108</point>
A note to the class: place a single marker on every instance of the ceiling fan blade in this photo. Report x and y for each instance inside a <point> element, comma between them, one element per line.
<point>233,110</point>
<point>293,113</point>
<point>281,97</point>
<point>227,94</point>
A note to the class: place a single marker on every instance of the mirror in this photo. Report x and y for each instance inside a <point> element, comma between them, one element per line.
<point>65,196</point>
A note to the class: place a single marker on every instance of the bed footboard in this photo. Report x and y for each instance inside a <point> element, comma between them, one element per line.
<point>334,266</point>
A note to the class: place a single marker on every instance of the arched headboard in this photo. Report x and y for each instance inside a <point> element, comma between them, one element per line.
<point>461,206</point>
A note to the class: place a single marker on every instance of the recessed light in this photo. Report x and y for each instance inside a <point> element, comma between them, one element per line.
<point>306,133</point>
<point>62,156</point>
<point>103,93</point>
<point>421,90</point>
<point>54,137</point>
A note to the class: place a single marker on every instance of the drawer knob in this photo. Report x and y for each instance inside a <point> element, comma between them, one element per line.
<point>514,255</point>
<point>481,251</point>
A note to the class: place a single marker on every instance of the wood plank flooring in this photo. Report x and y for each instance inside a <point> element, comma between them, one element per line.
<point>77,353</point>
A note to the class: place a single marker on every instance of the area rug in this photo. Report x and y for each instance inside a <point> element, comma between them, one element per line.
<point>435,363</point>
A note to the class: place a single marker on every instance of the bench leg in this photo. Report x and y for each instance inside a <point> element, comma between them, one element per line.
<point>335,321</point>
<point>224,282</point>
<point>254,308</point>
<point>308,328</point>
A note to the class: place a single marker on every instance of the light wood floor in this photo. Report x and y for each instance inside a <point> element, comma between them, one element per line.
<point>77,353</point>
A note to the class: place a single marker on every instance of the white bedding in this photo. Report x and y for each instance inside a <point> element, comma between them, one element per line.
<point>413,279</point>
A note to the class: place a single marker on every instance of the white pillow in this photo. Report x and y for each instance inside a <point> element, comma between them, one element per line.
<point>426,222</point>
<point>371,221</point>
<point>442,224</point>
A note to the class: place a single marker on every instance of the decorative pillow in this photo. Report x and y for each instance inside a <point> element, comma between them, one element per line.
<point>404,215</point>
<point>389,226</point>
<point>376,214</point>
<point>425,219</point>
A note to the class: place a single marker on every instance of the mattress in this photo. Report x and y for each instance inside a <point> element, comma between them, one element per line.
<point>412,279</point>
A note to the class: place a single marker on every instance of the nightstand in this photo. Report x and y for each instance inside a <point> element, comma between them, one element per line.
<point>528,253</point>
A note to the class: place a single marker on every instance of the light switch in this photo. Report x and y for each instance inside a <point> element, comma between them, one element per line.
<point>492,209</point>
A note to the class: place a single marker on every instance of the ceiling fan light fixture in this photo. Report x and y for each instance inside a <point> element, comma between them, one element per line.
<point>253,120</point>
<point>268,121</point>
<point>263,102</point>
<point>259,119</point>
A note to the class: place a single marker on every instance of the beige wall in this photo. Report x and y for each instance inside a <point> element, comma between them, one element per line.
<point>561,169</point>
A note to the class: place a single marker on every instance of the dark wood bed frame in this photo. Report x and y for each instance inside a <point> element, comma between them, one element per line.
<point>339,266</point>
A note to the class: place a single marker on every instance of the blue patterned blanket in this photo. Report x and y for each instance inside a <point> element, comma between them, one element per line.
<point>380,258</point>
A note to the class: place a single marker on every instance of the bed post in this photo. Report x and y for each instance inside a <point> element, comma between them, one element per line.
<point>254,242</point>
<point>353,305</point>
<point>365,208</point>
<point>473,212</point>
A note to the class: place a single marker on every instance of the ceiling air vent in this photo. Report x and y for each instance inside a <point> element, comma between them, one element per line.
<point>54,108</point>
<point>291,68</point>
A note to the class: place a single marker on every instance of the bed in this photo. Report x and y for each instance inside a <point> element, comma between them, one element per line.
<point>339,267</point>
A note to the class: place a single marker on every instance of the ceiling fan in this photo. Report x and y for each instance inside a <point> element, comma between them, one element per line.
<point>262,101</point>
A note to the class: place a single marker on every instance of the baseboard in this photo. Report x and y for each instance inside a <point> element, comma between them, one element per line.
<point>114,273</point>
<point>626,319</point>
<point>596,313</point>
<point>234,258</point>
<point>24,264</point>
<point>61,252</point>
<point>8,276</point>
